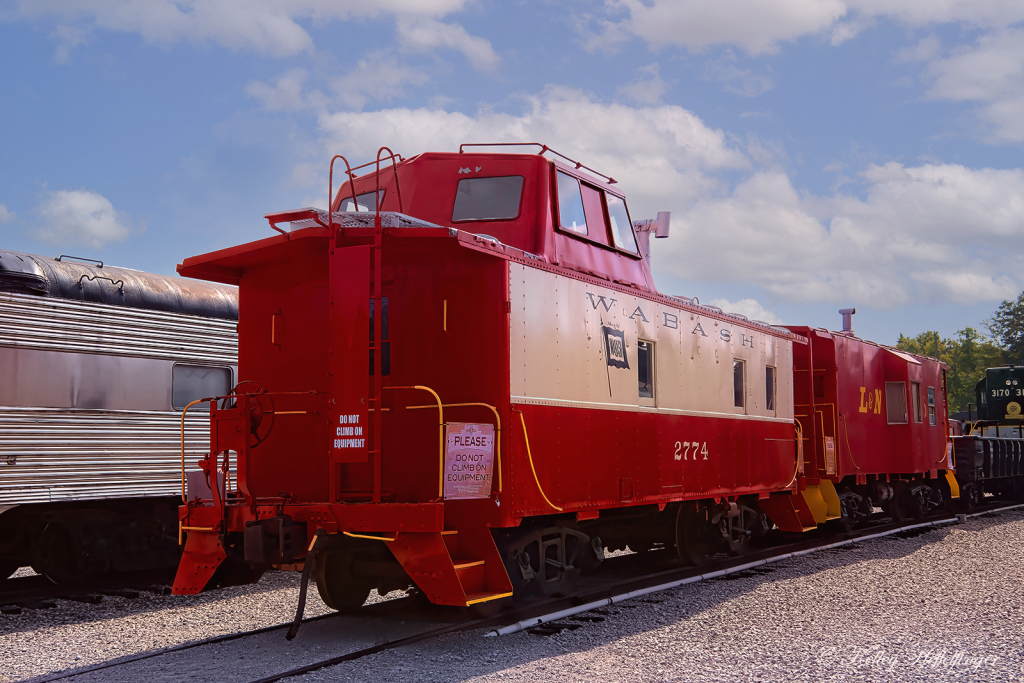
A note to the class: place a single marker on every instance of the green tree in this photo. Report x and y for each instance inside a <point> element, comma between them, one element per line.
<point>968,353</point>
<point>1007,326</point>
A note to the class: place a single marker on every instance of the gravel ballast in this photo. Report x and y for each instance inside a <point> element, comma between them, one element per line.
<point>944,605</point>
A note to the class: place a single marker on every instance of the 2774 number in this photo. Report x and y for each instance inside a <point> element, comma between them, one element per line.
<point>683,450</point>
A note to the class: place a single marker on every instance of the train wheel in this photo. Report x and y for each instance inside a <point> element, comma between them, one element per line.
<point>897,505</point>
<point>338,587</point>
<point>970,495</point>
<point>59,558</point>
<point>694,535</point>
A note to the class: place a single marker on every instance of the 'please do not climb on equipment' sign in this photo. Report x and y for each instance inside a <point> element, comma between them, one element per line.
<point>468,460</point>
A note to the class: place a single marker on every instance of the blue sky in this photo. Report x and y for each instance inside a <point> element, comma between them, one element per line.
<point>815,154</point>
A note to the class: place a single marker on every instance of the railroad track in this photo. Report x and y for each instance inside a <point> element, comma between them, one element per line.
<point>613,586</point>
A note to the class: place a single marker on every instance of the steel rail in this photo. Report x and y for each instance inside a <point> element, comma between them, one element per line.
<point>607,602</point>
<point>593,603</point>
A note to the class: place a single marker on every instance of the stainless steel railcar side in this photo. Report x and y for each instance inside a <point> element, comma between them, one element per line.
<point>95,364</point>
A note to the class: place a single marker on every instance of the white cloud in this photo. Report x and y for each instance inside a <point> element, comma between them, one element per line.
<point>6,215</point>
<point>990,73</point>
<point>260,25</point>
<point>287,94</point>
<point>753,25</point>
<point>376,78</point>
<point>758,27</point>
<point>928,233</point>
<point>748,307</point>
<point>82,217</point>
<point>665,150</point>
<point>421,35</point>
<point>736,80</point>
<point>648,88</point>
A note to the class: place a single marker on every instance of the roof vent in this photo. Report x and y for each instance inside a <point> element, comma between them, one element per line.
<point>847,314</point>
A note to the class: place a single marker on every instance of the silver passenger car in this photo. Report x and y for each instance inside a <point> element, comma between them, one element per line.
<point>96,364</point>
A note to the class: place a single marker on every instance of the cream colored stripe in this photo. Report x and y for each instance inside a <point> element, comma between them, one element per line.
<point>529,400</point>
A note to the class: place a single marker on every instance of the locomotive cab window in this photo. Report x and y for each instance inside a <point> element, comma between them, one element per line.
<point>915,398</point>
<point>931,406</point>
<point>488,199</point>
<point>896,403</point>
<point>570,204</point>
<point>769,389</point>
<point>622,229</point>
<point>192,382</point>
<point>364,202</point>
<point>645,371</point>
<point>737,384</point>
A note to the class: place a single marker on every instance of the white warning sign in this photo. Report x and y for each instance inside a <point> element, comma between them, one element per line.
<point>468,460</point>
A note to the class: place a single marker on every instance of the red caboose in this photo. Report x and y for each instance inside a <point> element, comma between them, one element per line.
<point>874,425</point>
<point>478,387</point>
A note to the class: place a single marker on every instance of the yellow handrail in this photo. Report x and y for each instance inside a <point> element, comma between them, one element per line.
<point>799,440</point>
<point>184,499</point>
<point>440,412</point>
<point>529,457</point>
<point>371,538</point>
<point>496,417</point>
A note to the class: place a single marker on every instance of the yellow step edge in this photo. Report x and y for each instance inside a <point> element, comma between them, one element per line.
<point>486,597</point>
<point>449,533</point>
<point>475,563</point>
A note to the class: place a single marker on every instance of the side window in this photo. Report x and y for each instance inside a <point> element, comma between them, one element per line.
<point>363,202</point>
<point>191,382</point>
<point>769,389</point>
<point>896,403</point>
<point>488,199</point>
<point>622,229</point>
<point>645,368</point>
<point>915,400</point>
<point>737,384</point>
<point>570,204</point>
<point>931,406</point>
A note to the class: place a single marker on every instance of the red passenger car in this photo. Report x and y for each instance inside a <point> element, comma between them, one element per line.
<point>477,388</point>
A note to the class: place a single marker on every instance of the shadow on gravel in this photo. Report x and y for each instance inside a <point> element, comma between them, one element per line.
<point>460,657</point>
<point>68,611</point>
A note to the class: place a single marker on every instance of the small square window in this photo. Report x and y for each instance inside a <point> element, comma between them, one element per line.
<point>896,403</point>
<point>737,384</point>
<point>363,202</point>
<point>645,368</point>
<point>192,382</point>
<point>769,389</point>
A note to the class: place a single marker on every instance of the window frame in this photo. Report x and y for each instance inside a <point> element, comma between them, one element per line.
<point>903,393</point>
<point>555,206</point>
<point>519,209</point>
<point>652,369</point>
<point>773,408</point>
<point>742,364</point>
<point>192,364</point>
<point>915,399</point>
<point>932,415</point>
<point>355,200</point>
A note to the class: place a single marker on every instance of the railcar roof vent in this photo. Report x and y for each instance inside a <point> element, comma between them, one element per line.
<point>847,314</point>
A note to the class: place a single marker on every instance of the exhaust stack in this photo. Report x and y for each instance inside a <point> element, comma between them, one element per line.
<point>847,314</point>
